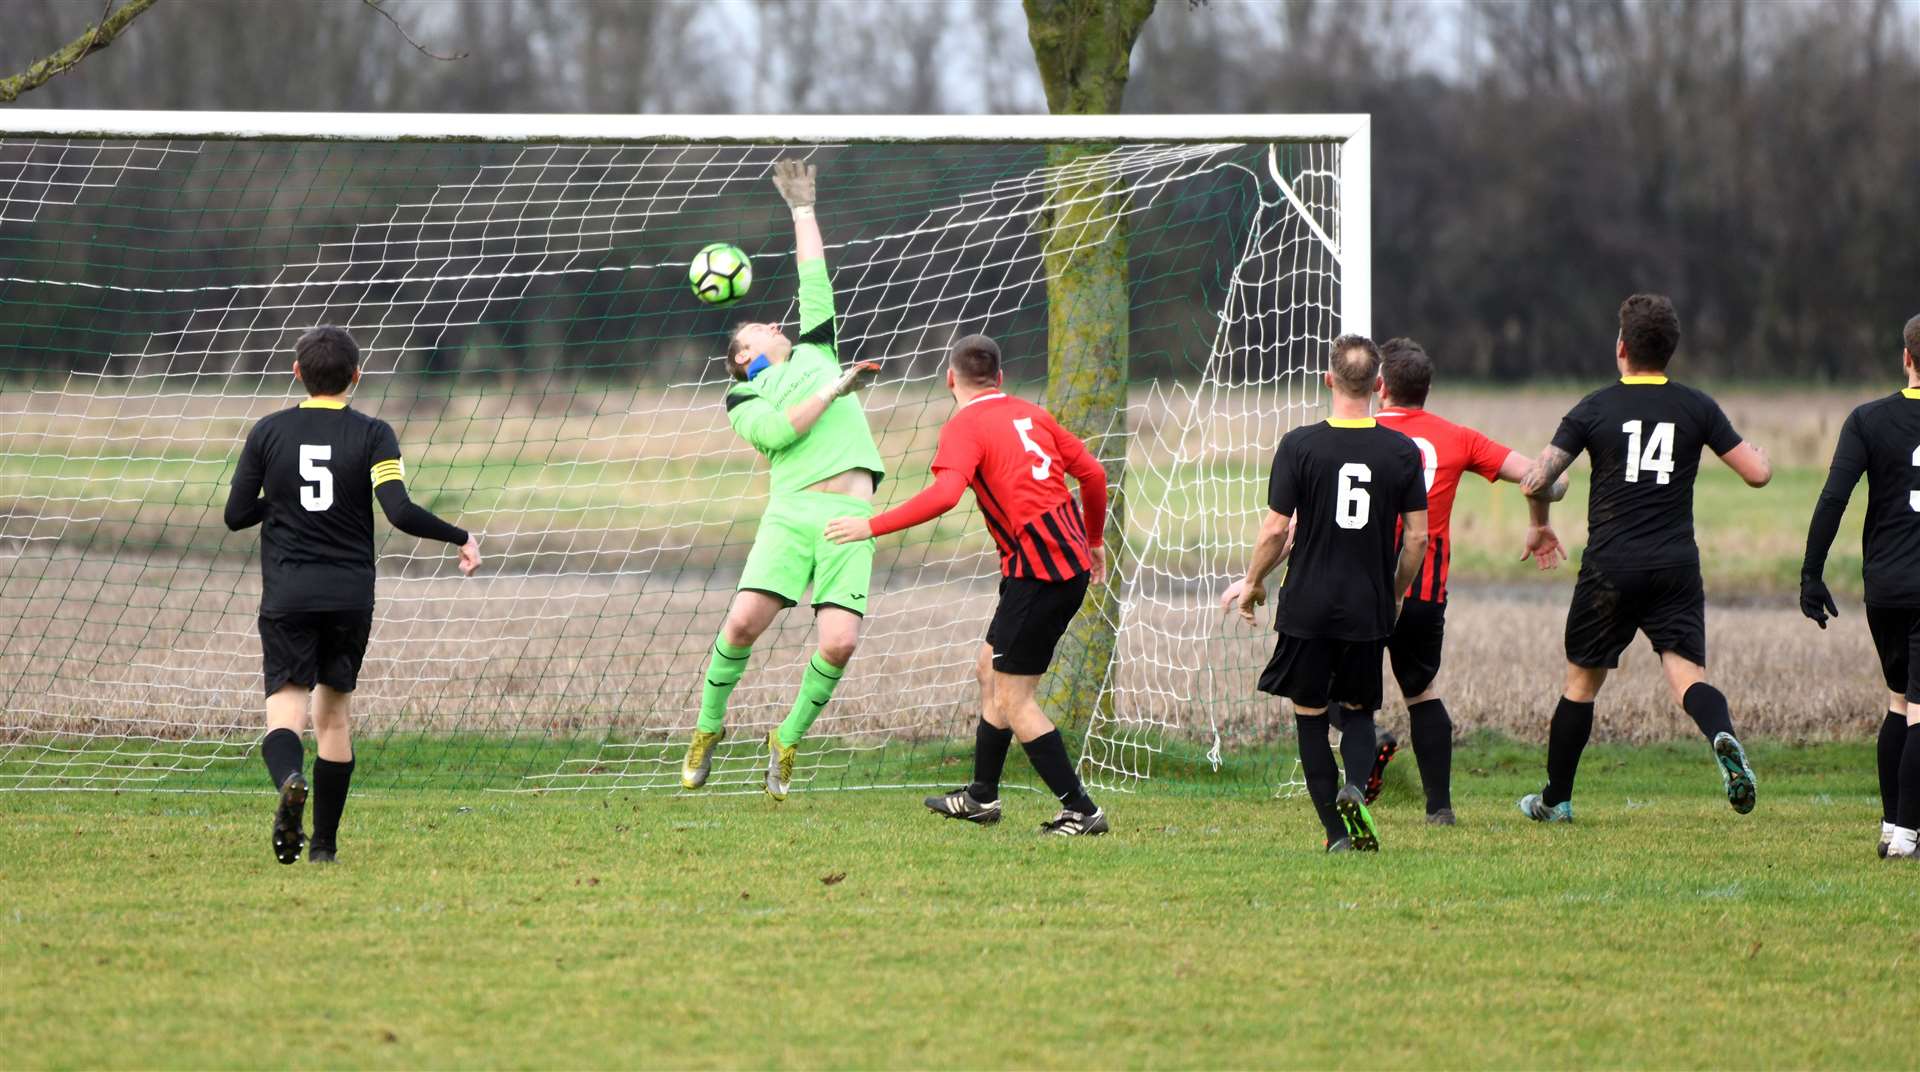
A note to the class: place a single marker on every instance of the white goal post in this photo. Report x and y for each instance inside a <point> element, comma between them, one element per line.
<point>1354,132</point>
<point>517,282</point>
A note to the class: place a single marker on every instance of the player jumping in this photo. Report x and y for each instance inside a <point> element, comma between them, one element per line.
<point>792,403</point>
<point>1880,439</point>
<point>1641,571</point>
<point>1351,482</point>
<point>1447,451</point>
<point>1015,457</point>
<point>311,473</point>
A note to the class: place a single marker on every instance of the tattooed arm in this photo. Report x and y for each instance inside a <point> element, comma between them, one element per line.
<point>1543,481</point>
<point>1514,470</point>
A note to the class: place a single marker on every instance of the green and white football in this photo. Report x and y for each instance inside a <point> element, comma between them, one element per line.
<point>720,274</point>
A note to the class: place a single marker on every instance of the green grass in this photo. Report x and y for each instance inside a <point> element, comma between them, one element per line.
<point>848,929</point>
<point>482,761</point>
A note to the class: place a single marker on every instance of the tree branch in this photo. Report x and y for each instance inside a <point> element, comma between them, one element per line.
<point>96,37</point>
<point>423,50</point>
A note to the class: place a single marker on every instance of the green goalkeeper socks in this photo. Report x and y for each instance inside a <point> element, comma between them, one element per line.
<point>816,688</point>
<point>723,673</point>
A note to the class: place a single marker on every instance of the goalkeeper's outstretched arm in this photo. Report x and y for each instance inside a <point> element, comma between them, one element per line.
<point>795,181</point>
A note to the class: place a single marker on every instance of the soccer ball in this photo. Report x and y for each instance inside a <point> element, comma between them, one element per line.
<point>720,274</point>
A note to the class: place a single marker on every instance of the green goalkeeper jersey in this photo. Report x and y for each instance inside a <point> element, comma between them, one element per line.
<point>840,439</point>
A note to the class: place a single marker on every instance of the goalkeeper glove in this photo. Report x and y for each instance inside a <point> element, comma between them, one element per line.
<point>849,381</point>
<point>794,180</point>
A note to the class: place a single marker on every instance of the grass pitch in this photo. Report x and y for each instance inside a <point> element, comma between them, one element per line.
<point>851,929</point>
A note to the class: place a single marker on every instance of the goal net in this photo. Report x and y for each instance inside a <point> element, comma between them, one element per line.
<point>518,286</point>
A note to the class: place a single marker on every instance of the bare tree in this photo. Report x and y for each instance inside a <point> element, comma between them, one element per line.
<point>94,38</point>
<point>1084,51</point>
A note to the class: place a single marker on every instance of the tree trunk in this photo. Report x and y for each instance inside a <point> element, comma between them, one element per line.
<point>1083,49</point>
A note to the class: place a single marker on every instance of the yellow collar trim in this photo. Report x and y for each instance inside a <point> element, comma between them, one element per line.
<point>1639,380</point>
<point>322,403</point>
<point>1350,422</point>
<point>1910,392</point>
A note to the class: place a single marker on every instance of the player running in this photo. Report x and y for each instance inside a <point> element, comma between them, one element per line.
<point>1641,571</point>
<point>1352,483</point>
<point>1447,451</point>
<point>1882,439</point>
<point>792,403</point>
<point>1015,457</point>
<point>312,473</point>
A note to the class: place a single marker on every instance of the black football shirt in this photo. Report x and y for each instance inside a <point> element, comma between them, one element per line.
<point>1349,481</point>
<point>317,464</point>
<point>1882,440</point>
<point>1644,436</point>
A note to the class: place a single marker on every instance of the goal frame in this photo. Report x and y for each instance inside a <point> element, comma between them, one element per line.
<point>1353,239</point>
<point>1346,238</point>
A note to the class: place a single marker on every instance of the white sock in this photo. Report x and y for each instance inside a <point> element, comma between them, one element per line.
<point>1886,830</point>
<point>1903,841</point>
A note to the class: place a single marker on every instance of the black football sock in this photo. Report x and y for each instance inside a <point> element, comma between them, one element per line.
<point>330,783</point>
<point>1908,813</point>
<point>285,755</point>
<point>1322,775</point>
<point>1357,746</point>
<point>1893,739</point>
<point>1566,739</point>
<point>990,744</point>
<point>1708,706</point>
<point>1432,733</point>
<point>1048,754</point>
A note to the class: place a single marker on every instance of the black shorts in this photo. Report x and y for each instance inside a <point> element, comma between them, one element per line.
<point>314,647</point>
<point>1315,672</point>
<point>1032,617</point>
<point>1414,648</point>
<point>1896,637</point>
<point>1669,605</point>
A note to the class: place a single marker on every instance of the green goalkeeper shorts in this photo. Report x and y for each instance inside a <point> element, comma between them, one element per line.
<point>792,551</point>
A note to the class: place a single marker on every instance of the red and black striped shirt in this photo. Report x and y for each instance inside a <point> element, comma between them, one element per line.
<point>1016,458</point>
<point>1448,451</point>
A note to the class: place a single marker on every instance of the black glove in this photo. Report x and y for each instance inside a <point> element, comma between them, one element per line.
<point>1816,602</point>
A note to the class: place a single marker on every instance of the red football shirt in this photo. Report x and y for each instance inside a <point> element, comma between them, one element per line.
<point>1448,450</point>
<point>1016,458</point>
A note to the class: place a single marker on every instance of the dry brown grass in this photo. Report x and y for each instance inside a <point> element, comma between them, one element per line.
<point>160,644</point>
<point>169,651</point>
<point>1784,677</point>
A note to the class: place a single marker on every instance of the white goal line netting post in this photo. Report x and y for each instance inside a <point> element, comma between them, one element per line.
<point>518,286</point>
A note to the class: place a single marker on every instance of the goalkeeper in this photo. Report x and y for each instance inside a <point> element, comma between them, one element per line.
<point>794,404</point>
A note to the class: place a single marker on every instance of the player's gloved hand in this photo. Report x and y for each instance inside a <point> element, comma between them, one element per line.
<point>1098,571</point>
<point>470,555</point>
<point>1543,546</point>
<point>794,180</point>
<point>853,379</point>
<point>849,529</point>
<point>1816,602</point>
